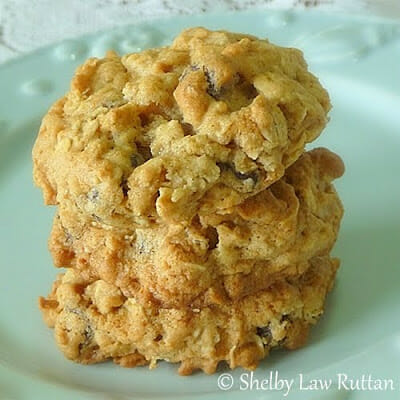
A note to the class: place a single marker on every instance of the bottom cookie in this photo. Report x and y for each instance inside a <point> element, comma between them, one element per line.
<point>94,322</point>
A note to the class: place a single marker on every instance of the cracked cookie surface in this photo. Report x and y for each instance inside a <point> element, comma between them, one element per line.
<point>168,133</point>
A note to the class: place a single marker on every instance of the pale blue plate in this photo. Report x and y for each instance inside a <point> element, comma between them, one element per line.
<point>358,60</point>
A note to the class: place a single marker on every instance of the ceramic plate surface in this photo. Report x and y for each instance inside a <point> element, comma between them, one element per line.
<point>358,61</point>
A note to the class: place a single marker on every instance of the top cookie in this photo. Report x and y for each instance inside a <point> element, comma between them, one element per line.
<point>165,134</point>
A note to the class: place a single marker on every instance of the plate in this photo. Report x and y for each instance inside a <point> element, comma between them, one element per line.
<point>360,333</point>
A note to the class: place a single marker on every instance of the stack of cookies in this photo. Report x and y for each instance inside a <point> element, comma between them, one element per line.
<point>193,225</point>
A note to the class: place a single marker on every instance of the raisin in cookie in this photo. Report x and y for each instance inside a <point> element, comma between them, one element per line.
<point>168,133</point>
<point>93,321</point>
<point>217,257</point>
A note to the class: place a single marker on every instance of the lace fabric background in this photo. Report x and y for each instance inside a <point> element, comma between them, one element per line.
<point>28,24</point>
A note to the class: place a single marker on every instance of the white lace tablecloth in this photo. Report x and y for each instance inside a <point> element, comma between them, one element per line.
<point>28,24</point>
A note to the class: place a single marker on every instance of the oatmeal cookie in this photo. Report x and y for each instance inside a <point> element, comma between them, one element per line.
<point>218,257</point>
<point>172,132</point>
<point>93,321</point>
